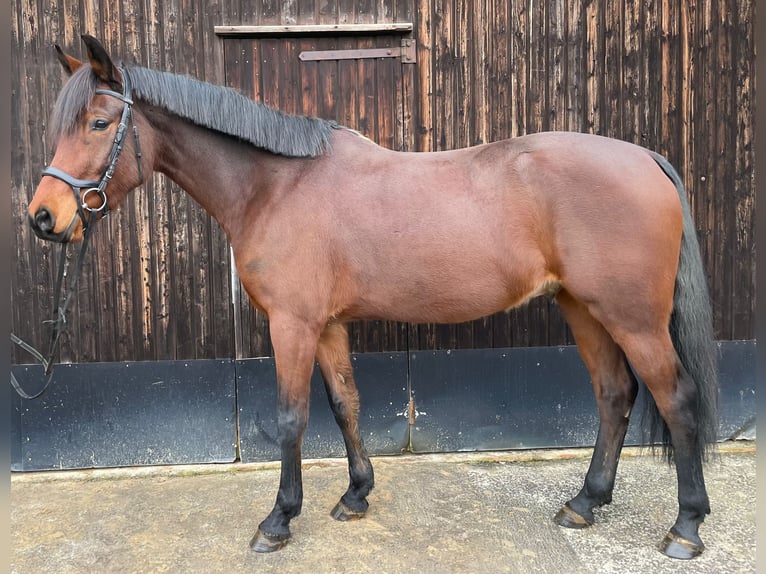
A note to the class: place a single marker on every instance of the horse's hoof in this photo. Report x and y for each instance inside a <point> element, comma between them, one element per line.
<point>263,542</point>
<point>344,513</point>
<point>676,547</point>
<point>568,518</point>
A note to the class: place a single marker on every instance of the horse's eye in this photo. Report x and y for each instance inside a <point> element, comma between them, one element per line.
<point>99,124</point>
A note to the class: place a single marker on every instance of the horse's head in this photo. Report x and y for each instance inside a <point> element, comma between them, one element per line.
<point>98,157</point>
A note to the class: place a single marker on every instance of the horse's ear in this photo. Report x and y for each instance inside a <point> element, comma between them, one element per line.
<point>69,63</point>
<point>101,62</point>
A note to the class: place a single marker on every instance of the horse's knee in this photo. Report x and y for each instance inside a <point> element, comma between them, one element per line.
<point>291,422</point>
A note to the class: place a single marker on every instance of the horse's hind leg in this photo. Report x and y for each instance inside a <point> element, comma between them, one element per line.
<point>657,364</point>
<point>615,388</point>
<point>335,363</point>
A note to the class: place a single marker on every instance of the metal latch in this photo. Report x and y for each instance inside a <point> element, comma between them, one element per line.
<point>407,52</point>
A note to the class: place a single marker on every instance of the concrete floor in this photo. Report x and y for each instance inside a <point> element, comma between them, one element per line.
<point>460,513</point>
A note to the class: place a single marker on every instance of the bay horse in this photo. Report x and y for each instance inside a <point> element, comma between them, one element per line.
<point>328,227</point>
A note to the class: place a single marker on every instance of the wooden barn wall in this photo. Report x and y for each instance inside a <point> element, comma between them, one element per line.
<point>675,76</point>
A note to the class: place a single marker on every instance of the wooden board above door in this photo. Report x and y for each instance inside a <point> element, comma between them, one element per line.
<point>315,29</point>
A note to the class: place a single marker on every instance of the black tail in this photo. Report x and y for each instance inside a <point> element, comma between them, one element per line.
<point>691,329</point>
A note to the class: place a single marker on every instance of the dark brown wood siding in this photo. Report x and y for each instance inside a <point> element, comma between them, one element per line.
<point>674,76</point>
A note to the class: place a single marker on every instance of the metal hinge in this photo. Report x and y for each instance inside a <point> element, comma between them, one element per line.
<point>407,52</point>
<point>412,414</point>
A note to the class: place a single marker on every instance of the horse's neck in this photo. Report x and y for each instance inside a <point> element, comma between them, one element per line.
<point>222,174</point>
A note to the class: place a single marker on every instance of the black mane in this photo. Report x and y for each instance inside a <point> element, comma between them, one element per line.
<point>217,108</point>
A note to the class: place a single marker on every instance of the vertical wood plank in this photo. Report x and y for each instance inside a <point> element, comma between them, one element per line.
<point>725,241</point>
<point>425,71</point>
<point>670,57</point>
<point>308,12</point>
<point>742,289</point>
<point>612,107</point>
<point>520,49</point>
<point>595,52</point>
<point>328,11</point>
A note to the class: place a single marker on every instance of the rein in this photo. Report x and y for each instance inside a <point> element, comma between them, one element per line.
<point>85,213</point>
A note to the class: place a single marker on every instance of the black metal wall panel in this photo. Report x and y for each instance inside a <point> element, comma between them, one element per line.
<point>126,414</point>
<point>487,399</point>
<point>176,412</point>
<point>382,382</point>
<point>737,379</point>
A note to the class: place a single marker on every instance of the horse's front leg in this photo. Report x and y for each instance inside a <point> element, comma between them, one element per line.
<point>333,355</point>
<point>294,343</point>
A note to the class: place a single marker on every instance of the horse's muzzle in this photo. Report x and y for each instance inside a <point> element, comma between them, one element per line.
<point>43,223</point>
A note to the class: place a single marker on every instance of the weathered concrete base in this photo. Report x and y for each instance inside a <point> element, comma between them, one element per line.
<point>462,513</point>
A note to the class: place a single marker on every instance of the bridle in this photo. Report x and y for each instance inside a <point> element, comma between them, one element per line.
<point>86,215</point>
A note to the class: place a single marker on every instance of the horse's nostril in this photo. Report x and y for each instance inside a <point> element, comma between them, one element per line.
<point>44,220</point>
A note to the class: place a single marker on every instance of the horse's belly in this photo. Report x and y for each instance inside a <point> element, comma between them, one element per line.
<point>450,295</point>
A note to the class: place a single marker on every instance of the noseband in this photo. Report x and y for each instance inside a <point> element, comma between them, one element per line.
<point>99,187</point>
